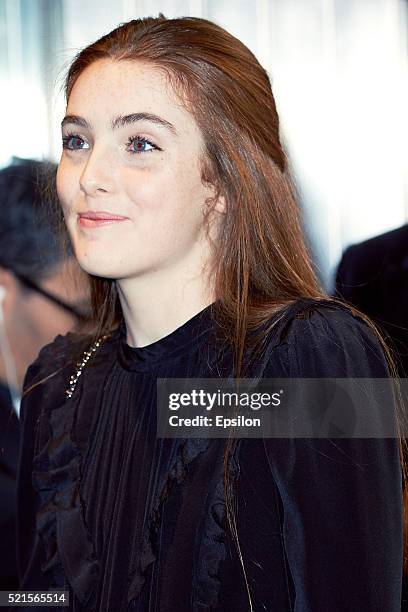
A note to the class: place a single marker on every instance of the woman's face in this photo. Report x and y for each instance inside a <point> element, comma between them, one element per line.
<point>129,176</point>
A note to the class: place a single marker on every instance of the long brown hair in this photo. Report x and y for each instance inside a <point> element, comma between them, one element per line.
<point>260,261</point>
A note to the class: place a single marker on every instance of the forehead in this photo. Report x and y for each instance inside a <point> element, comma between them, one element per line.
<point>108,88</point>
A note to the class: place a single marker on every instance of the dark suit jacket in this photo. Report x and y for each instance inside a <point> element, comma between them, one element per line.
<point>9,449</point>
<point>373,276</point>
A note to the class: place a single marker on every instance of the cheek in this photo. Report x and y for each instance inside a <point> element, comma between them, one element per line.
<point>145,186</point>
<point>66,183</point>
<point>167,197</point>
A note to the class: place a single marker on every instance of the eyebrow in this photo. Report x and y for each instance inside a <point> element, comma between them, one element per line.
<point>122,120</point>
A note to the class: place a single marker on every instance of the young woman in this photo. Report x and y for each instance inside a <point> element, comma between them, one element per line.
<point>177,197</point>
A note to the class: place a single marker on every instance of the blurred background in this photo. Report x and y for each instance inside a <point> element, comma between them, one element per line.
<point>339,75</point>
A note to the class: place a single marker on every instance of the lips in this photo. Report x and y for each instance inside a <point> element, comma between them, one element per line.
<point>97,218</point>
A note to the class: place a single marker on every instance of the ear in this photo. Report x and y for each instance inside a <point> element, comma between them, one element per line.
<point>10,287</point>
<point>7,279</point>
<point>221,205</point>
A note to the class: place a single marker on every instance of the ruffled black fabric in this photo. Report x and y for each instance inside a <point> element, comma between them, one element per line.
<point>56,477</point>
<point>185,451</point>
<point>212,549</point>
<point>60,521</point>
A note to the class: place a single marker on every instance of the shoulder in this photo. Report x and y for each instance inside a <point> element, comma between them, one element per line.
<point>54,357</point>
<point>47,377</point>
<point>43,389</point>
<point>367,255</point>
<point>326,338</point>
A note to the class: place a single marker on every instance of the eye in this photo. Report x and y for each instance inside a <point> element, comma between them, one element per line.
<point>138,144</point>
<point>73,142</point>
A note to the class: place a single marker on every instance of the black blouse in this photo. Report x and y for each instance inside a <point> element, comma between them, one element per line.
<point>125,520</point>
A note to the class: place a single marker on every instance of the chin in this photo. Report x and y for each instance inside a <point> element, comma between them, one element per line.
<point>102,264</point>
<point>99,270</point>
<point>109,264</point>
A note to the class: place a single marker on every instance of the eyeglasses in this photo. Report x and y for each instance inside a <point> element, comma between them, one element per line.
<point>81,316</point>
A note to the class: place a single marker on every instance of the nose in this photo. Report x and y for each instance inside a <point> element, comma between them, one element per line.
<point>97,174</point>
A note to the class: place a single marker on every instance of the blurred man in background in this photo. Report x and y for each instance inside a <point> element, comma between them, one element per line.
<point>373,276</point>
<point>42,293</point>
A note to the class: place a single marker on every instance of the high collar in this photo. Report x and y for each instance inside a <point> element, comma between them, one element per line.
<point>165,349</point>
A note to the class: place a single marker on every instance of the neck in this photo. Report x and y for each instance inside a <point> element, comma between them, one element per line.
<point>155,306</point>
